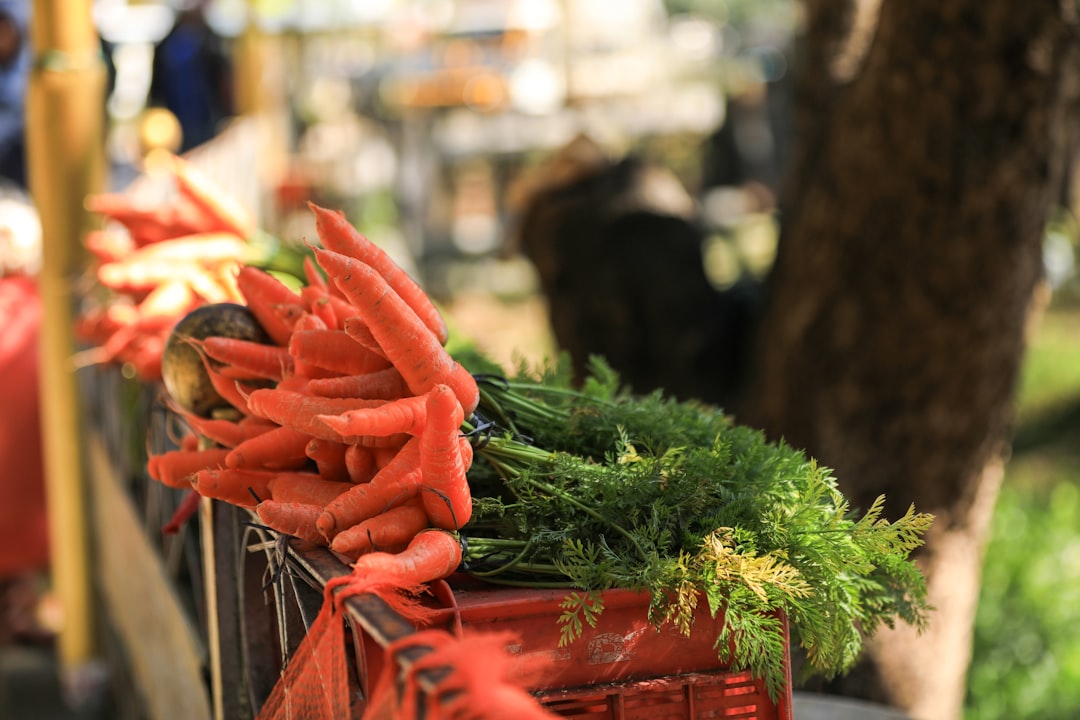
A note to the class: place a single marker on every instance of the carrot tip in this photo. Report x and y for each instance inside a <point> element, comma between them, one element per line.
<point>327,525</point>
<point>333,422</point>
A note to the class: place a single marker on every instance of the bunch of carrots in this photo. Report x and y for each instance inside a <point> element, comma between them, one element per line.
<point>348,430</point>
<point>155,264</point>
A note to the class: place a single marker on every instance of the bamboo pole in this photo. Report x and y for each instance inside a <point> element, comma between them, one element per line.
<point>65,147</point>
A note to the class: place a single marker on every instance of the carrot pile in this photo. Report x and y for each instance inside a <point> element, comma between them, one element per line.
<point>348,425</point>
<point>152,265</point>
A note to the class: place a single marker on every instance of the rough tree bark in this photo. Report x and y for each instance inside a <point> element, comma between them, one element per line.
<point>910,255</point>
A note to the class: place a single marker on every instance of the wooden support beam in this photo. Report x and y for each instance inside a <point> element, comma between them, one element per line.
<point>65,147</point>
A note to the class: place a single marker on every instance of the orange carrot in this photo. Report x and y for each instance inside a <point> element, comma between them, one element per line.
<point>114,346</point>
<point>361,333</point>
<point>228,388</point>
<point>226,433</point>
<point>385,384</point>
<point>298,410</point>
<point>204,248</point>
<point>338,235</point>
<point>466,449</point>
<point>214,206</point>
<point>303,320</point>
<point>305,487</point>
<point>171,299</point>
<point>392,485</point>
<point>262,292</point>
<point>411,347</point>
<point>225,274</point>
<point>380,443</point>
<point>345,309</point>
<point>145,358</point>
<point>334,350</point>
<point>294,383</point>
<point>314,276</point>
<point>360,463</point>
<point>279,449</point>
<point>184,512</point>
<point>446,495</point>
<point>232,485</point>
<point>143,276</point>
<point>209,283</point>
<point>145,225</point>
<point>252,359</point>
<point>404,415</point>
<point>431,555</point>
<point>329,458</point>
<point>231,390</point>
<point>108,246</point>
<point>296,317</point>
<point>397,526</point>
<point>174,467</point>
<point>317,302</point>
<point>96,323</point>
<point>390,443</point>
<point>159,325</point>
<point>383,456</point>
<point>291,518</point>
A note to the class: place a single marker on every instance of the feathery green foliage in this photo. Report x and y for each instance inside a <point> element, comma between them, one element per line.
<point>596,489</point>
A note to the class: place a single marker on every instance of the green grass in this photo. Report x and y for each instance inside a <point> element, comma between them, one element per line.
<point>1026,655</point>
<point>1051,377</point>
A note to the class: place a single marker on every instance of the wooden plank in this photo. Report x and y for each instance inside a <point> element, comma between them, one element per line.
<point>141,603</point>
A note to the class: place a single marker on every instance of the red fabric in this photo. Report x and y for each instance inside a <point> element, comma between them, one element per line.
<point>23,519</point>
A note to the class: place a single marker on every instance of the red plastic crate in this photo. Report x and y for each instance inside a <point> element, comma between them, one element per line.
<point>621,669</point>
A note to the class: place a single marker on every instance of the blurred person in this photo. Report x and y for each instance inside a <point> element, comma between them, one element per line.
<point>192,77</point>
<point>14,75</point>
<point>24,548</point>
<point>618,247</point>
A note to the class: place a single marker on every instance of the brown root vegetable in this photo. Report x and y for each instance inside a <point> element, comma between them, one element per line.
<point>182,369</point>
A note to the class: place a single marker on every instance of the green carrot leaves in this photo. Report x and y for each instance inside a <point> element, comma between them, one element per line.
<point>595,489</point>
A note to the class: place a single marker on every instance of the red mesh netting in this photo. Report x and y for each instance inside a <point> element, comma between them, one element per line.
<point>315,684</point>
<point>484,682</point>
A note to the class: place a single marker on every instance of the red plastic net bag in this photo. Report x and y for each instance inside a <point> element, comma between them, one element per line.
<point>472,678</point>
<point>315,683</point>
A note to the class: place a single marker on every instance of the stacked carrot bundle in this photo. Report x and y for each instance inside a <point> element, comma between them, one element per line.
<point>348,430</point>
<point>154,265</point>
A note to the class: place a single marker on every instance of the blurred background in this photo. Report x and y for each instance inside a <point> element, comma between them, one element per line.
<point>434,125</point>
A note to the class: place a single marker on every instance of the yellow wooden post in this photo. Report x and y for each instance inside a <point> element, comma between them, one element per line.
<point>65,147</point>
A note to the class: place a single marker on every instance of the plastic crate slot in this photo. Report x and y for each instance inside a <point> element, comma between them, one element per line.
<point>737,690</point>
<point>723,705</point>
<point>649,703</point>
<point>589,712</point>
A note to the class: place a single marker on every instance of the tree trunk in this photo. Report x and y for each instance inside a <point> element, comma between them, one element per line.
<point>899,301</point>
